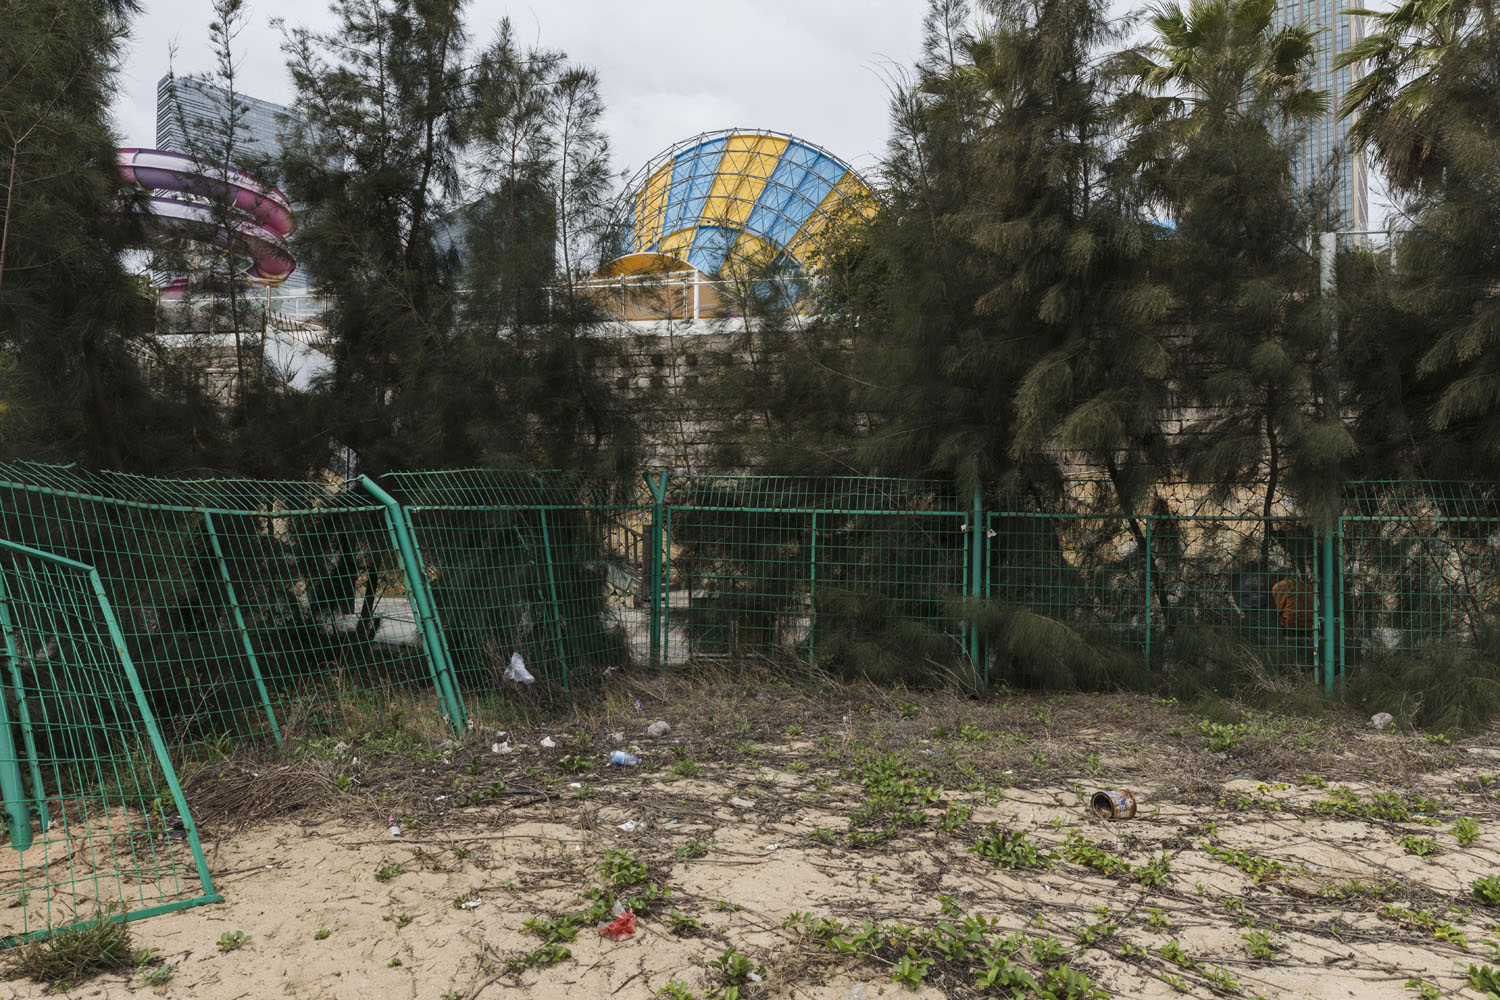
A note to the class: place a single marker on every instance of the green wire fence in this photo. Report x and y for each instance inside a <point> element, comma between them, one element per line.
<point>266,610</point>
<point>93,810</point>
<point>248,607</point>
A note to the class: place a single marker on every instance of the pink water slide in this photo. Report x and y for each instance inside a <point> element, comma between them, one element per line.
<point>264,214</point>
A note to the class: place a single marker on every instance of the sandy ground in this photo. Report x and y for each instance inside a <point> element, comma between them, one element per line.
<point>772,785</point>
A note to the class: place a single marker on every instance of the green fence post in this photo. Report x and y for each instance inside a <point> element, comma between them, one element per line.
<point>1147,594</point>
<point>153,733</point>
<point>812,597</point>
<point>1327,605</point>
<point>658,486</point>
<point>557,635</point>
<point>976,567</point>
<point>239,624</point>
<point>28,735</point>
<point>421,601</point>
<point>666,585</point>
<point>1317,630</point>
<point>12,788</point>
<point>1339,557</point>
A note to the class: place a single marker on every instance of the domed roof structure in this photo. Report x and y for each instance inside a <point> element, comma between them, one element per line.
<point>737,196</point>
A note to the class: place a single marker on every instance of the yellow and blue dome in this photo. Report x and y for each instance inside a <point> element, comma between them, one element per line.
<point>738,196</point>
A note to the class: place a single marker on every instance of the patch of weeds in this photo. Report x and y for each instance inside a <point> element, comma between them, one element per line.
<point>1466,830</point>
<point>400,920</point>
<point>621,868</point>
<point>1387,806</point>
<point>797,767</point>
<point>547,954</point>
<point>907,710</point>
<point>322,934</point>
<point>1082,851</point>
<point>1048,950</point>
<point>1485,979</point>
<point>1177,983</point>
<point>1426,991</point>
<point>69,957</point>
<point>725,906</point>
<point>1093,766</point>
<point>233,940</point>
<point>465,901</point>
<point>956,815</point>
<point>911,969</point>
<point>387,872</point>
<point>682,925</point>
<point>1173,952</point>
<point>1157,871</point>
<point>1157,921</point>
<point>1222,980</point>
<point>1091,934</point>
<point>793,730</point>
<point>1009,849</point>
<point>1422,847</point>
<point>1259,944</point>
<point>556,929</point>
<point>1486,890</point>
<point>695,847</point>
<point>1254,865</point>
<point>675,991</point>
<point>159,976</point>
<point>687,767</point>
<point>823,835</point>
<point>735,968</point>
<point>575,763</point>
<point>1426,920</point>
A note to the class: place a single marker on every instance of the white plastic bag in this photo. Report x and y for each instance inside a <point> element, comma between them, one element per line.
<point>517,670</point>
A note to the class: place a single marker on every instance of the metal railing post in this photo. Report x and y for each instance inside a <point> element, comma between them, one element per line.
<point>239,624</point>
<point>658,486</point>
<point>976,567</point>
<point>812,597</point>
<point>1147,593</point>
<point>11,786</point>
<point>557,635</point>
<point>422,605</point>
<point>1327,606</point>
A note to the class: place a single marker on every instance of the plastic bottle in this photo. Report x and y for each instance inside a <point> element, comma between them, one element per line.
<point>623,758</point>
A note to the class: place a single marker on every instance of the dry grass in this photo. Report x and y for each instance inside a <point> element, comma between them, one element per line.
<point>778,779</point>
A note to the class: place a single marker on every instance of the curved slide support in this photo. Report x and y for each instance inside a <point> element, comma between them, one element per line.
<point>262,230</point>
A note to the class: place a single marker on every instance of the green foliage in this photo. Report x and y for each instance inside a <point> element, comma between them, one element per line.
<point>71,956</point>
<point>1009,849</point>
<point>1486,889</point>
<point>622,868</point>
<point>1440,688</point>
<point>1260,945</point>
<point>1422,847</point>
<point>233,940</point>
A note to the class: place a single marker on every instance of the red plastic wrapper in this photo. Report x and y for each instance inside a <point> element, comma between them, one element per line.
<point>621,929</point>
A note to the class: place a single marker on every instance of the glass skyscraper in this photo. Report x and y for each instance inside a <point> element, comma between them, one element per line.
<point>200,106</point>
<point>1326,146</point>
<point>203,105</point>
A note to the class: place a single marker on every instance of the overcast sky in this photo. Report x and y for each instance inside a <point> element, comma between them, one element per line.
<point>669,69</point>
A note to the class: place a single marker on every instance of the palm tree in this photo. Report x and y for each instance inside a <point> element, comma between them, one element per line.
<point>1217,73</point>
<point>1425,66</point>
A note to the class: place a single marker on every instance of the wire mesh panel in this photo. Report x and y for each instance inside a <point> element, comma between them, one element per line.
<point>248,607</point>
<point>857,575</point>
<point>550,567</point>
<point>94,814</point>
<point>1420,567</point>
<point>1168,588</point>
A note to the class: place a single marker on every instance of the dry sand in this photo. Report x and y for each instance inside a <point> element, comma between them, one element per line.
<point>776,770</point>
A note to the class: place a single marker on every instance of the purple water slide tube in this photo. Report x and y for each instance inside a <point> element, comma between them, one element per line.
<point>266,215</point>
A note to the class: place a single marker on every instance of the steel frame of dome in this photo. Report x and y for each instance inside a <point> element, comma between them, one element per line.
<point>737,195</point>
